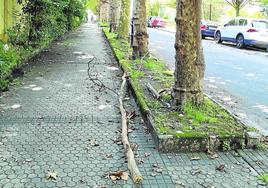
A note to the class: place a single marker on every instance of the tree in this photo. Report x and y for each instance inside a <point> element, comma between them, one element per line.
<point>154,8</point>
<point>264,1</point>
<point>124,22</point>
<point>265,7</point>
<point>190,66</point>
<point>212,9</point>
<point>237,4</point>
<point>140,43</point>
<point>103,10</point>
<point>93,5</point>
<point>115,7</point>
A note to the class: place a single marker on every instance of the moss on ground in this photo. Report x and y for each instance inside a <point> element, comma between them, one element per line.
<point>103,24</point>
<point>194,121</point>
<point>264,178</point>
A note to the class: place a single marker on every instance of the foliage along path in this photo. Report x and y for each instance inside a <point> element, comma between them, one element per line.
<point>58,129</point>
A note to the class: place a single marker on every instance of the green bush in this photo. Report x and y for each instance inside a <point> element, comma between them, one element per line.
<point>41,22</point>
<point>50,19</point>
<point>8,61</point>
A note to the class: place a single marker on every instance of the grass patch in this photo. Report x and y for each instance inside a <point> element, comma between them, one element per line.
<point>264,178</point>
<point>154,66</point>
<point>11,57</point>
<point>209,118</point>
<point>103,24</point>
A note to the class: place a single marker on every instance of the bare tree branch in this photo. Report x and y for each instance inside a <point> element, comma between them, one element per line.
<point>237,4</point>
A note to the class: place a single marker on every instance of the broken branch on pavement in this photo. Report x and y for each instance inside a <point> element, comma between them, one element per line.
<point>132,165</point>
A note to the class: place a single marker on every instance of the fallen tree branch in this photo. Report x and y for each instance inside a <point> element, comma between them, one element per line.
<point>157,94</point>
<point>93,77</point>
<point>132,165</point>
<point>153,91</point>
<point>168,90</point>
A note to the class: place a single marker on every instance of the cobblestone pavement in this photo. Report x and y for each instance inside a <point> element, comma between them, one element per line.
<point>49,121</point>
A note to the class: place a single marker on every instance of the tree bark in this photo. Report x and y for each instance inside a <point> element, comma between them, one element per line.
<point>140,43</point>
<point>190,66</point>
<point>124,22</point>
<point>115,6</point>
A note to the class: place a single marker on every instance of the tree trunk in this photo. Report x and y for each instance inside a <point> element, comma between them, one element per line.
<point>190,66</point>
<point>124,22</point>
<point>237,11</point>
<point>104,10</point>
<point>115,6</point>
<point>140,43</point>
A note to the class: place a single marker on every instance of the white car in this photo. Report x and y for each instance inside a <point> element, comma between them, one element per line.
<point>244,32</point>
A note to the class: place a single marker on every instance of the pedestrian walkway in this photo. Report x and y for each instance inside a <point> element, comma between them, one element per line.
<point>57,122</point>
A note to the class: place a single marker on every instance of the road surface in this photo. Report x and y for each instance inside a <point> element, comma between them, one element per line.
<point>238,79</point>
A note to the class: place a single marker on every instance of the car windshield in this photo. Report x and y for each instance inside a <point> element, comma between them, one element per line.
<point>260,24</point>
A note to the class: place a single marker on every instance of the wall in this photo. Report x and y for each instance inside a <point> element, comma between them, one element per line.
<point>9,15</point>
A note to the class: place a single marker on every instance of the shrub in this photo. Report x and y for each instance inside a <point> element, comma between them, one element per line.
<point>41,21</point>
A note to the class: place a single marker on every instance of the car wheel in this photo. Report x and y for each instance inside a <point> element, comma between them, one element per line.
<point>203,37</point>
<point>218,37</point>
<point>240,42</point>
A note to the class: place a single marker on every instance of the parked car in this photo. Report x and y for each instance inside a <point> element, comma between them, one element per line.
<point>244,32</point>
<point>208,29</point>
<point>158,22</point>
<point>149,21</point>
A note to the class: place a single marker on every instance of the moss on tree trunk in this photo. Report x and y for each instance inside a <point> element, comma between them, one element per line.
<point>140,43</point>
<point>189,68</point>
<point>124,22</point>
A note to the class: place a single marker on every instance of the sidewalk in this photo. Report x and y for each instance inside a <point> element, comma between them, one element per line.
<point>58,120</point>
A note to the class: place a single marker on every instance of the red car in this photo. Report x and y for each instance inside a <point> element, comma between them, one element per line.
<point>158,22</point>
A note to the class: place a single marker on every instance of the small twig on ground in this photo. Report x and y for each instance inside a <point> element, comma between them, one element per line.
<point>157,95</point>
<point>153,91</point>
<point>94,78</point>
<point>147,54</point>
<point>132,165</point>
<point>168,90</point>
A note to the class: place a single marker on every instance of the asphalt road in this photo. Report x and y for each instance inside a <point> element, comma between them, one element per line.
<point>238,79</point>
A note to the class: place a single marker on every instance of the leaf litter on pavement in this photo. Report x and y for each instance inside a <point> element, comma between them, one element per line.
<point>51,175</point>
<point>93,142</point>
<point>118,175</point>
<point>107,156</point>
